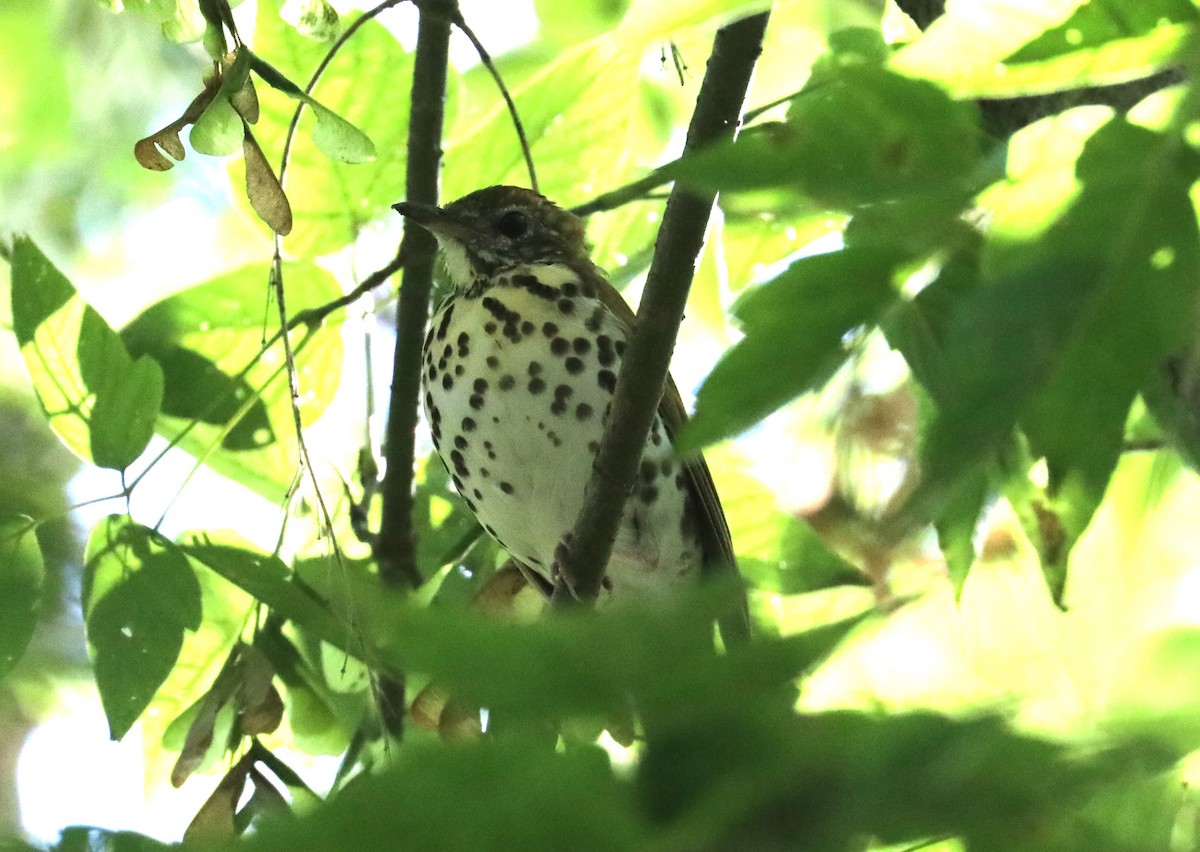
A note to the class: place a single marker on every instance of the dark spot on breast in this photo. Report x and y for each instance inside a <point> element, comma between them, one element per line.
<point>458,484</point>
<point>447,382</point>
<point>596,320</point>
<point>648,494</point>
<point>506,382</point>
<point>680,481</point>
<point>563,392</point>
<point>534,368</point>
<point>507,488</point>
<point>445,323</point>
<point>459,369</point>
<point>570,289</point>
<point>478,494</point>
<point>476,401</point>
<point>607,379</point>
<point>666,466</point>
<point>480,385</point>
<point>441,363</point>
<point>559,346</point>
<point>537,288</point>
<point>647,470</point>
<point>527,327</point>
<point>460,442</point>
<point>493,361</point>
<point>620,347</point>
<point>463,339</point>
<point>432,373</point>
<point>558,407</point>
<point>484,472</point>
<point>489,327</point>
<point>536,385</point>
<point>574,365</point>
<point>566,306</point>
<point>581,345</point>
<point>447,351</point>
<point>495,307</point>
<point>549,329</point>
<point>593,447</point>
<point>468,425</point>
<point>583,411</point>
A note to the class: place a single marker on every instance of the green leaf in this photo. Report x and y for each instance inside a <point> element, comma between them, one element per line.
<point>1145,312</point>
<point>139,596</point>
<point>21,576</point>
<point>219,129</point>
<point>336,137</point>
<point>208,339</point>
<point>908,138</point>
<point>124,414</point>
<point>367,86</point>
<point>76,362</point>
<point>794,328</point>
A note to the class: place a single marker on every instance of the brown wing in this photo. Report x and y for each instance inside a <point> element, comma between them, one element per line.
<point>715,540</point>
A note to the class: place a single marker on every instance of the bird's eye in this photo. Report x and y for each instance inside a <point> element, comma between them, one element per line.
<point>514,224</point>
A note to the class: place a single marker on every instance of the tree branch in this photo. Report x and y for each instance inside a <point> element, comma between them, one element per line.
<point>395,548</point>
<point>644,369</point>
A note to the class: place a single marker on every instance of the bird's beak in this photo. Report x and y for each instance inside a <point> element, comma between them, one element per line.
<point>434,219</point>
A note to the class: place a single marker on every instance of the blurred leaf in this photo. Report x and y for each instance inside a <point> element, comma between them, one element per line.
<point>794,326</point>
<point>956,531</point>
<point>35,102</point>
<point>1091,47</point>
<point>208,340</point>
<point>827,780</point>
<point>973,37</point>
<point>314,19</point>
<point>1064,329</point>
<point>1145,311</point>
<point>567,24</point>
<point>21,577</point>
<point>83,839</point>
<point>776,552</point>
<point>1155,694</point>
<point>139,596</point>
<point>909,138</point>
<point>125,412</point>
<point>523,798</point>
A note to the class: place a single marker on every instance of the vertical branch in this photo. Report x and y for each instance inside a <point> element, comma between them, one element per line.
<point>644,369</point>
<point>395,548</point>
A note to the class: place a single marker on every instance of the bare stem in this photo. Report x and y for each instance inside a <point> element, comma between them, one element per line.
<point>395,549</point>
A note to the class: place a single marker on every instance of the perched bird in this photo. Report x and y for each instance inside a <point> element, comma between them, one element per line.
<point>519,367</point>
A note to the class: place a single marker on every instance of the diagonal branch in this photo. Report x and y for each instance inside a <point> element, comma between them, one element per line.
<point>644,369</point>
<point>395,549</point>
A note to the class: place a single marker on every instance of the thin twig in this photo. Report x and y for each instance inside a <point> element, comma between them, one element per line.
<point>622,195</point>
<point>644,369</point>
<point>395,548</point>
<point>486,59</point>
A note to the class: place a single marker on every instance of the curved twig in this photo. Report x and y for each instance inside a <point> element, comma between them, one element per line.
<point>486,59</point>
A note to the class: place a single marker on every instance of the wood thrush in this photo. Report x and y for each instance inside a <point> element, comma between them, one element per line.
<point>519,368</point>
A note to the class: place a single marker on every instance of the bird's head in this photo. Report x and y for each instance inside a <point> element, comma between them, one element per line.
<point>499,228</point>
